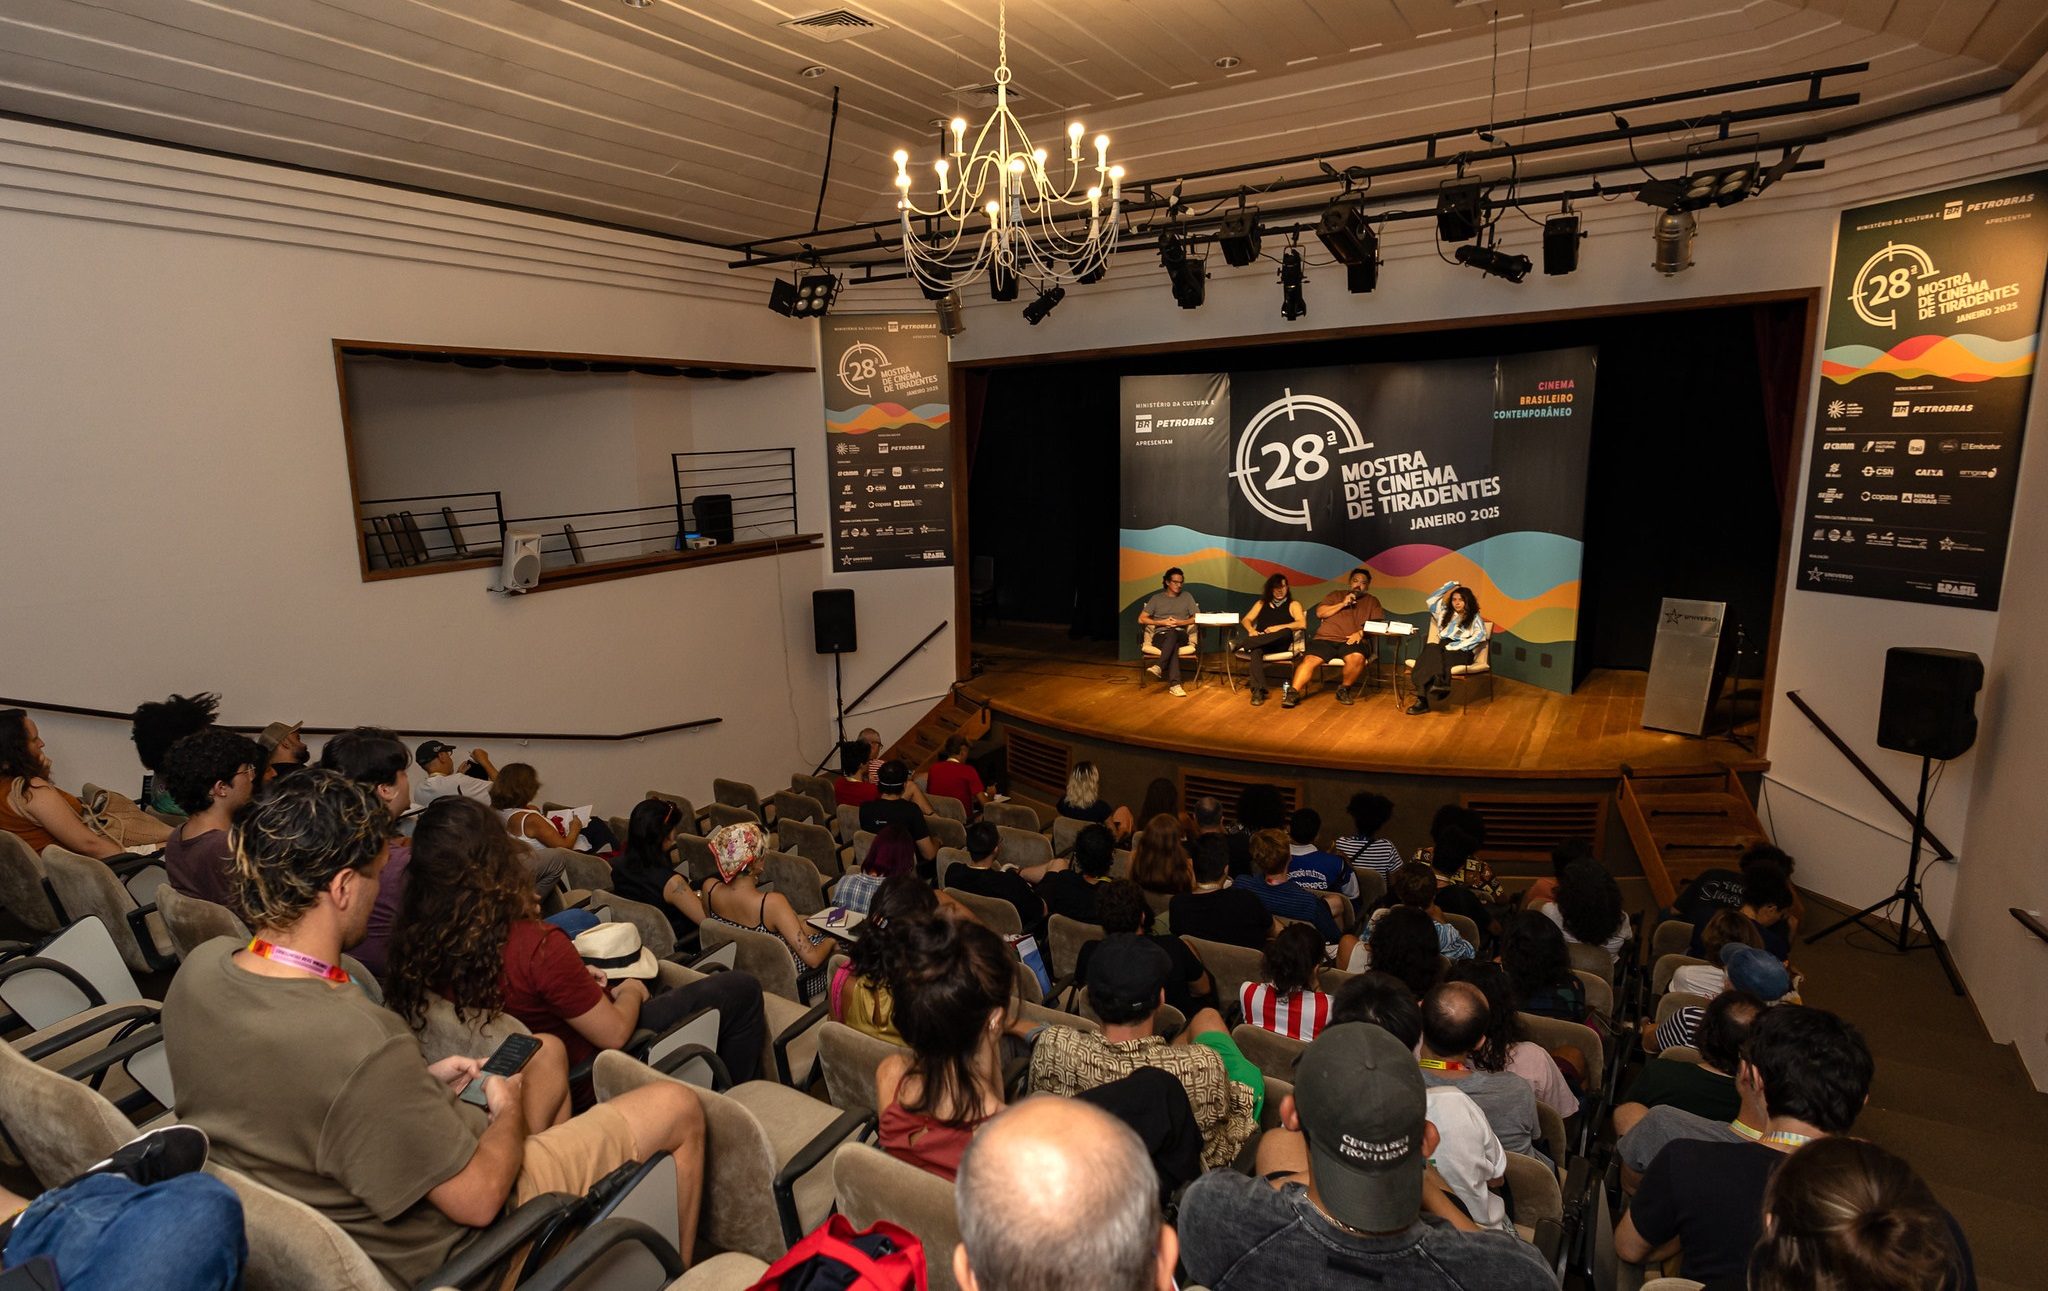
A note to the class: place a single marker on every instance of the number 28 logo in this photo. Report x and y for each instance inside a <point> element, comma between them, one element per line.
<point>858,365</point>
<point>1292,434</point>
<point>1878,286</point>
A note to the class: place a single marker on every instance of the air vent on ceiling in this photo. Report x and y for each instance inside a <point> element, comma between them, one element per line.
<point>834,24</point>
<point>984,96</point>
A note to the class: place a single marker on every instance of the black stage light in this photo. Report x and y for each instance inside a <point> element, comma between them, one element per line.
<point>1002,284</point>
<point>950,321</point>
<point>1292,304</point>
<point>935,281</point>
<point>1494,262</point>
<point>1697,190</point>
<point>815,293</point>
<point>1187,274</point>
<point>782,297</point>
<point>1457,212</point>
<point>1561,243</point>
<point>1238,239</point>
<point>1361,278</point>
<point>1086,272</point>
<point>1035,312</point>
<point>1346,234</point>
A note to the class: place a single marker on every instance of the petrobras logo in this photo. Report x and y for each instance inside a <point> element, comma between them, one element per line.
<point>1142,424</point>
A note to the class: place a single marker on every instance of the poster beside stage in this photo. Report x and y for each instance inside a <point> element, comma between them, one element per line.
<point>1466,470</point>
<point>1933,319</point>
<point>888,441</point>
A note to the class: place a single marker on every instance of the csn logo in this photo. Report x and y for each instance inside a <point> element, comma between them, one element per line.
<point>1294,433</point>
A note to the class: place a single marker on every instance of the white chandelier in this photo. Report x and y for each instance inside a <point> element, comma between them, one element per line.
<point>1021,222</point>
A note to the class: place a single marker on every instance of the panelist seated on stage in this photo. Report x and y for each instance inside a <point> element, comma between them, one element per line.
<point>1460,635</point>
<point>1168,618</point>
<point>1340,634</point>
<point>1272,626</point>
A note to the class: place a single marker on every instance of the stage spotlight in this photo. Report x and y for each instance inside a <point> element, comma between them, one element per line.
<point>1188,275</point>
<point>782,297</point>
<point>936,282</point>
<point>1346,235</point>
<point>1697,190</point>
<point>1494,262</point>
<point>1002,284</point>
<point>1673,242</point>
<point>1458,213</point>
<point>814,294</point>
<point>951,323</point>
<point>1090,273</point>
<point>1238,239</point>
<point>1361,278</point>
<point>1292,304</point>
<point>1035,312</point>
<point>1561,243</point>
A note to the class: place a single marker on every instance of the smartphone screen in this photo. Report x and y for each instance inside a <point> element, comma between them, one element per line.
<point>512,1055</point>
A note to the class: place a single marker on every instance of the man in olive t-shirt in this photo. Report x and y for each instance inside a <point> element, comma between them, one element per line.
<point>1168,620</point>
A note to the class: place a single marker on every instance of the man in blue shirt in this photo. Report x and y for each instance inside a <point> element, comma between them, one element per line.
<point>1282,896</point>
<point>1309,865</point>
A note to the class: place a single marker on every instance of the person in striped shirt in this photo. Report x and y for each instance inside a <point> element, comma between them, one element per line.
<point>1363,848</point>
<point>1287,1003</point>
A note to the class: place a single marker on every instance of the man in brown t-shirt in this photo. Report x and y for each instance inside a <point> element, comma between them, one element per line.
<point>303,1083</point>
<point>1340,634</point>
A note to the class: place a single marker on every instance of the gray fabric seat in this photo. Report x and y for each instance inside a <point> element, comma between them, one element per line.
<point>1011,815</point>
<point>998,914</point>
<point>850,1059</point>
<point>1275,1055</point>
<point>869,1185</point>
<point>788,804</point>
<point>1022,848</point>
<point>691,821</point>
<point>813,842</point>
<point>796,879</point>
<point>85,886</point>
<point>21,885</point>
<point>1229,966</point>
<point>194,921</point>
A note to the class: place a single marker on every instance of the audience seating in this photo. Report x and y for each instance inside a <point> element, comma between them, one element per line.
<point>737,793</point>
<point>692,820</point>
<point>947,806</point>
<point>862,841</point>
<point>1599,992</point>
<point>1026,988</point>
<point>1063,831</point>
<point>796,879</point>
<point>1666,968</point>
<point>1372,886</point>
<point>1556,1145</point>
<point>849,1059</point>
<point>1065,937</point>
<point>869,1184</point>
<point>83,886</point>
<point>848,821</point>
<point>947,832</point>
<point>1229,966</point>
<point>191,922</point>
<point>1681,1053</point>
<point>949,857</point>
<point>813,842</point>
<point>1593,959</point>
<point>998,914</point>
<point>792,1027</point>
<point>1670,937</point>
<point>1465,926</point>
<point>1052,1017</point>
<point>819,790</point>
<point>88,1017</point>
<point>1274,1055</point>
<point>24,888</point>
<point>1537,1194</point>
<point>694,854</point>
<point>1011,815</point>
<point>1672,1001</point>
<point>727,1271</point>
<point>656,932</point>
<point>719,814</point>
<point>787,804</point>
<point>1333,980</point>
<point>1276,1090</point>
<point>55,1125</point>
<point>1022,848</point>
<point>1120,863</point>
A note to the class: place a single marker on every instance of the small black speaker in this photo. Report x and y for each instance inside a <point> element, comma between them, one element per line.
<point>714,517</point>
<point>832,620</point>
<point>1930,701</point>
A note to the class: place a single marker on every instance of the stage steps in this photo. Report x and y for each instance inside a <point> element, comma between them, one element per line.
<point>919,746</point>
<point>1684,821</point>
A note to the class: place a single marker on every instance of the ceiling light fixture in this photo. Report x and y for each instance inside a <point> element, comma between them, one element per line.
<point>1048,300</point>
<point>1494,262</point>
<point>1292,303</point>
<point>1561,237</point>
<point>811,73</point>
<point>998,206</point>
<point>1188,276</point>
<point>948,309</point>
<point>1672,239</point>
<point>1458,212</point>
<point>808,297</point>
<point>1238,238</point>
<point>1227,62</point>
<point>638,4</point>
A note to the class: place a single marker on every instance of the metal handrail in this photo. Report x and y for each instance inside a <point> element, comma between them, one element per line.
<point>310,729</point>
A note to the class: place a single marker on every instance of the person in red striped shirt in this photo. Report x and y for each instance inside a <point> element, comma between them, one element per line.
<point>1287,1002</point>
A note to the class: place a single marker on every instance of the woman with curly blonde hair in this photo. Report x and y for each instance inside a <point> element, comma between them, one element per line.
<point>470,930</point>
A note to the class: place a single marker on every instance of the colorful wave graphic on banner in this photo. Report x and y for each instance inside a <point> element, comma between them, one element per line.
<point>1964,357</point>
<point>1527,582</point>
<point>884,416</point>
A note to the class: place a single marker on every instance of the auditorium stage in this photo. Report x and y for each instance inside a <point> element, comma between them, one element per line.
<point>1038,676</point>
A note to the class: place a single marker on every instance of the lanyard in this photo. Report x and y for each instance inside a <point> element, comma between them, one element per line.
<point>1784,1139</point>
<point>293,959</point>
<point>1440,1064</point>
<point>1745,1131</point>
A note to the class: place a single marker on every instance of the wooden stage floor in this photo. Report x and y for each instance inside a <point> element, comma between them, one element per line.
<point>1524,732</point>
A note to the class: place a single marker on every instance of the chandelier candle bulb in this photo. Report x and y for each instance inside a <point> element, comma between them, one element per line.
<point>1101,152</point>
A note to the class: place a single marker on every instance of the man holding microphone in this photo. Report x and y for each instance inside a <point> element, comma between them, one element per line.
<point>1340,633</point>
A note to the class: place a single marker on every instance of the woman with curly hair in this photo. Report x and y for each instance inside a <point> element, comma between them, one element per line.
<point>1539,969</point>
<point>33,809</point>
<point>155,727</point>
<point>952,987</point>
<point>470,930</point>
<point>860,992</point>
<point>1507,1046</point>
<point>1288,1002</point>
<point>1588,908</point>
<point>1159,861</point>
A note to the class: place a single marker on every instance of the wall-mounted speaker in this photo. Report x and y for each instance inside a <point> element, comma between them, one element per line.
<point>519,569</point>
<point>1929,705</point>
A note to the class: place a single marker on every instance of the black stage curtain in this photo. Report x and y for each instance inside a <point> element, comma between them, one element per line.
<point>1683,497</point>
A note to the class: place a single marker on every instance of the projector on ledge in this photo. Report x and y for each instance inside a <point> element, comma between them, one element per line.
<point>697,542</point>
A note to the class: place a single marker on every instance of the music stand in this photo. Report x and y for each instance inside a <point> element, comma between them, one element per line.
<point>1907,897</point>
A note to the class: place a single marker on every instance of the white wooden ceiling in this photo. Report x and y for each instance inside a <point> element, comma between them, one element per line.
<point>690,117</point>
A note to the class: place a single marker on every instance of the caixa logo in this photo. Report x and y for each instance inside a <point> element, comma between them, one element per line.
<point>1944,587</point>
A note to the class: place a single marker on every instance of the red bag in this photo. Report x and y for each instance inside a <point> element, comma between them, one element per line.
<point>836,1258</point>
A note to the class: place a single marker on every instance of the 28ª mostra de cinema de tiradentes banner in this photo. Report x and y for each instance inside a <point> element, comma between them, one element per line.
<point>1934,312</point>
<point>1471,470</point>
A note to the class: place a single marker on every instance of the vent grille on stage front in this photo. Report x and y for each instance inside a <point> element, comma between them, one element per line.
<point>1039,764</point>
<point>1225,789</point>
<point>1524,827</point>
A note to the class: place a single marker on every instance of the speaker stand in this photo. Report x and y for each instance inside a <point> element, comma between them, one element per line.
<point>838,699</point>
<point>1907,898</point>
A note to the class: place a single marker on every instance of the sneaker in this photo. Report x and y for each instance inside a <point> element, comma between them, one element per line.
<point>1419,706</point>
<point>1344,694</point>
<point>161,1154</point>
<point>1258,697</point>
<point>1289,697</point>
<point>1155,671</point>
<point>1176,691</point>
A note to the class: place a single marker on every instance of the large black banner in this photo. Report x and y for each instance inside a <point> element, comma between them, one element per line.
<point>889,440</point>
<point>1933,319</point>
<point>1465,470</point>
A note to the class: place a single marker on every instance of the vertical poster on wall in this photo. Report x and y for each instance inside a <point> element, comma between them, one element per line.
<point>888,441</point>
<point>1934,315</point>
<point>1467,471</point>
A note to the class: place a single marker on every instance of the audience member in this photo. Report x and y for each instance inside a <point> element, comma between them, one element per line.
<point>1404,945</point>
<point>1589,909</point>
<point>1721,888</point>
<point>981,876</point>
<point>284,748</point>
<point>1282,897</point>
<point>951,985</point>
<point>1544,890</point>
<point>1310,866</point>
<point>1345,1189</point>
<point>861,993</point>
<point>1121,908</point>
<point>1083,801</point>
<point>853,787</point>
<point>1162,798</point>
<point>1364,848</point>
<point>871,740</point>
<point>513,790</point>
<point>1724,928</point>
<point>470,931</point>
<point>891,853</point>
<point>1662,1126</point>
<point>373,758</point>
<point>1259,807</point>
<point>1539,968</point>
<point>155,727</point>
<point>733,896</point>
<point>1057,1193</point>
<point>646,871</point>
<point>1507,1047</point>
<point>210,774</point>
<point>1454,1018</point>
<point>1766,900</point>
<point>1383,1000</point>
<point>1704,1088</point>
<point>1127,979</point>
<point>1748,969</point>
<point>1704,1201</point>
<point>351,1122</point>
<point>1414,885</point>
<point>1159,860</point>
<point>1456,834</point>
<point>951,777</point>
<point>440,777</point>
<point>1842,1214</point>
<point>899,802</point>
<point>33,809</point>
<point>1072,891</point>
<point>1288,1002</point>
<point>1215,909</point>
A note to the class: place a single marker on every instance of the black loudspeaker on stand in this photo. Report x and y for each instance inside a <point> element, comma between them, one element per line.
<point>835,632</point>
<point>1929,708</point>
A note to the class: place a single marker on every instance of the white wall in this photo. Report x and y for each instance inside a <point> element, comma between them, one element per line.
<point>178,499</point>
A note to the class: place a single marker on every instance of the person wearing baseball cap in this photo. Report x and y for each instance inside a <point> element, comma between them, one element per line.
<point>439,777</point>
<point>1344,1185</point>
<point>902,803</point>
<point>283,747</point>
